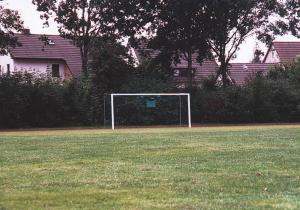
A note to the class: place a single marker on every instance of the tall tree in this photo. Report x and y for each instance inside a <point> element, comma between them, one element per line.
<point>233,22</point>
<point>109,69</point>
<point>291,14</point>
<point>236,20</point>
<point>10,22</point>
<point>110,64</point>
<point>83,20</point>
<point>180,29</point>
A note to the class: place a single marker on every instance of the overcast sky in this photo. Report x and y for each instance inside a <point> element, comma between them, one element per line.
<point>32,21</point>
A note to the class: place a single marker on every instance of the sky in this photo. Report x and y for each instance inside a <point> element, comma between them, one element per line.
<point>32,21</point>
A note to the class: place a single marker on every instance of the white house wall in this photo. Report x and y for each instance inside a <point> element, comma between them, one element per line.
<point>272,57</point>
<point>4,61</point>
<point>38,66</point>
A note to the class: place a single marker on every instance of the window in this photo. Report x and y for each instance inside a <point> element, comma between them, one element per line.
<point>8,68</point>
<point>182,72</point>
<point>55,70</point>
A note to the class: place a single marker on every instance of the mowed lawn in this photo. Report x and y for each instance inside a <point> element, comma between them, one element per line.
<point>245,167</point>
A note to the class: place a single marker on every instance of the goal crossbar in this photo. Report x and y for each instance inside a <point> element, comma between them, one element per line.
<point>149,94</point>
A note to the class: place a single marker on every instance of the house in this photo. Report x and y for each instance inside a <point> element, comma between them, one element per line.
<point>201,71</point>
<point>54,56</point>
<point>278,53</point>
<point>240,72</point>
<point>282,52</point>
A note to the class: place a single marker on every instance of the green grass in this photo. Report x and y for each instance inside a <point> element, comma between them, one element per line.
<point>246,167</point>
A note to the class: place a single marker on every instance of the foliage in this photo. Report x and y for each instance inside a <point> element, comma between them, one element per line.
<point>258,55</point>
<point>28,100</point>
<point>291,12</point>
<point>147,78</point>
<point>271,98</point>
<point>233,22</point>
<point>110,64</point>
<point>10,22</point>
<point>110,68</point>
<point>180,30</point>
<point>82,21</point>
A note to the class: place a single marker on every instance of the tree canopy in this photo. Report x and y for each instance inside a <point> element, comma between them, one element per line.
<point>180,31</point>
<point>10,22</point>
<point>83,20</point>
<point>233,22</point>
<point>217,26</point>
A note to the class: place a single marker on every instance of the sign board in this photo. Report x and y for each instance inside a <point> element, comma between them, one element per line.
<point>151,103</point>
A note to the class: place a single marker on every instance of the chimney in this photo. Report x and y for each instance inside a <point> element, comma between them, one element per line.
<point>26,31</point>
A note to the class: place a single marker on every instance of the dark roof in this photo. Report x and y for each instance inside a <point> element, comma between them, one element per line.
<point>239,72</point>
<point>142,52</point>
<point>63,49</point>
<point>203,70</point>
<point>287,51</point>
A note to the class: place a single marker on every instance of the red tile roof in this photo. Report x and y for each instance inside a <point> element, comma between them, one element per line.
<point>239,72</point>
<point>32,48</point>
<point>287,51</point>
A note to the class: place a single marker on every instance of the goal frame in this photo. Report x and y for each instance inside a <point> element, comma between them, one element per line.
<point>112,96</point>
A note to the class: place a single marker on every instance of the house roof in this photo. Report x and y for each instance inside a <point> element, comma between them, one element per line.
<point>34,48</point>
<point>287,51</point>
<point>239,72</point>
<point>142,52</point>
<point>203,70</point>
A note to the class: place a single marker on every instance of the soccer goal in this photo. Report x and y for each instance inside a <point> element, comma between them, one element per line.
<point>151,103</point>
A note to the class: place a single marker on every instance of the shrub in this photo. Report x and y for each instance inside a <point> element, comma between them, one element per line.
<point>28,100</point>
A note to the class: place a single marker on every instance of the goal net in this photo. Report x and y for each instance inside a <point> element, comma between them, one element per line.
<point>150,109</point>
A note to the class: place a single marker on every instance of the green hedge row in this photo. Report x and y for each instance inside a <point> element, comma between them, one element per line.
<point>28,100</point>
<point>264,99</point>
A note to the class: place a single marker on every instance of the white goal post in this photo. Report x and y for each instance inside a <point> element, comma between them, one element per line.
<point>149,94</point>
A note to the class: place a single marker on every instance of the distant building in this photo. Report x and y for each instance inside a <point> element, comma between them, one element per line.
<point>279,53</point>
<point>282,52</point>
<point>56,56</point>
<point>240,72</point>
<point>201,71</point>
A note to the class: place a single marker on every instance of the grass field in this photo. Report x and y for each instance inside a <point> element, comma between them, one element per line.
<point>246,167</point>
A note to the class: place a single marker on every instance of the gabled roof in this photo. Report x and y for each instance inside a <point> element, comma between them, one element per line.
<point>34,48</point>
<point>203,70</point>
<point>239,72</point>
<point>287,51</point>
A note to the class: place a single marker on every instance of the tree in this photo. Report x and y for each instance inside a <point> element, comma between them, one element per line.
<point>82,20</point>
<point>109,68</point>
<point>233,22</point>
<point>180,30</point>
<point>10,22</point>
<point>110,64</point>
<point>291,12</point>
<point>258,53</point>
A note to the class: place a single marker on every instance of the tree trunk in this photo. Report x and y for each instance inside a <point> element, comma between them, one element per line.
<point>85,64</point>
<point>190,69</point>
<point>223,69</point>
<point>84,50</point>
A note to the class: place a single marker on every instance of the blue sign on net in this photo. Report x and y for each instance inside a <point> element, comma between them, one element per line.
<point>151,104</point>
